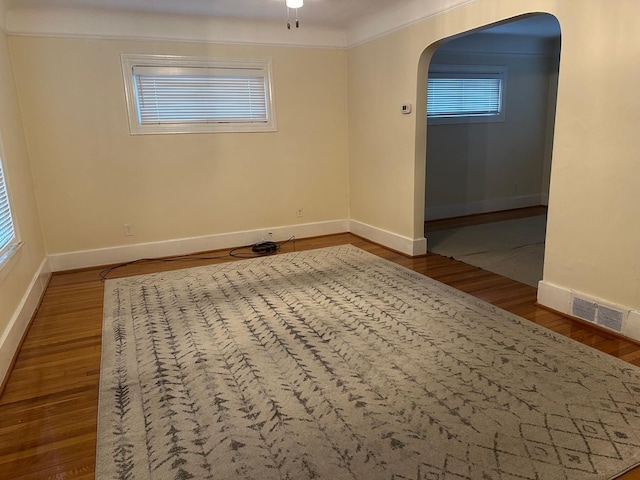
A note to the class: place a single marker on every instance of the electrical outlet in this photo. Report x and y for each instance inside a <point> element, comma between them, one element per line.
<point>128,230</point>
<point>299,213</point>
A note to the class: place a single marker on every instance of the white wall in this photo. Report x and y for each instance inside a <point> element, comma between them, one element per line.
<point>23,277</point>
<point>92,176</point>
<point>481,167</point>
<point>592,230</point>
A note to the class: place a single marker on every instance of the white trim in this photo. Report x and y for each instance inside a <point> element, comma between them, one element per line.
<point>111,24</point>
<point>491,205</point>
<point>632,326</point>
<point>9,259</point>
<point>19,323</point>
<point>184,246</point>
<point>554,297</point>
<point>105,24</point>
<point>397,17</point>
<point>408,246</point>
<point>561,300</point>
<point>261,67</point>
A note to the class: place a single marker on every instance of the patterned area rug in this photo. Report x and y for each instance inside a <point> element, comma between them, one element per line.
<point>336,364</point>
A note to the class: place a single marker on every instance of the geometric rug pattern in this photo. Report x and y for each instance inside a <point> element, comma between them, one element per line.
<point>336,364</point>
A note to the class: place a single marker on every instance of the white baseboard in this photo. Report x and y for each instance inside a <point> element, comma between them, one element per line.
<point>126,253</point>
<point>564,300</point>
<point>17,327</point>
<point>493,205</point>
<point>408,246</point>
<point>183,246</point>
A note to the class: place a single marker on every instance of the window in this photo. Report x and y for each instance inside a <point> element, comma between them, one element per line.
<point>197,95</point>
<point>7,231</point>
<point>466,93</point>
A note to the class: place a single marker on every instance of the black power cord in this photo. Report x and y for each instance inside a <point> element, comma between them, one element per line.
<point>260,249</point>
<point>256,250</point>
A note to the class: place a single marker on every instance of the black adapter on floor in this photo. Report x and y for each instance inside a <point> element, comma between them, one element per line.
<point>265,247</point>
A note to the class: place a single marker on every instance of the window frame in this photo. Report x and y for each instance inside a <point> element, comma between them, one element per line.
<point>10,249</point>
<point>470,71</point>
<point>130,61</point>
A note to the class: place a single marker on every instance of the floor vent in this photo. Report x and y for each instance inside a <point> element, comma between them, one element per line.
<point>584,309</point>
<point>610,318</point>
<point>587,309</point>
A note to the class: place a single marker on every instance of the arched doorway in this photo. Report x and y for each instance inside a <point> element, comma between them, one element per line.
<point>489,145</point>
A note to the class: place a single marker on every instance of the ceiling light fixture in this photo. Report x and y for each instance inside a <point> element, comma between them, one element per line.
<point>295,4</point>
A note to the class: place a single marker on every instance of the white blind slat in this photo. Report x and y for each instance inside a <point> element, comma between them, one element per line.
<point>7,232</point>
<point>193,95</point>
<point>453,97</point>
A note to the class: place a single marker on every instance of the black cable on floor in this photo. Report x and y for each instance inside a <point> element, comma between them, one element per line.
<point>233,253</point>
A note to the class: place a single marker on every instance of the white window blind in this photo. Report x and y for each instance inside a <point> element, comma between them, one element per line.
<point>464,96</point>
<point>456,95</point>
<point>194,94</point>
<point>200,95</point>
<point>7,232</point>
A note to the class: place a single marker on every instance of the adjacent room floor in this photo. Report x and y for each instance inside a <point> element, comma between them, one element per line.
<point>511,245</point>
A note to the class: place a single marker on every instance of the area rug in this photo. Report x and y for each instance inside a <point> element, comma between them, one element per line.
<point>336,364</point>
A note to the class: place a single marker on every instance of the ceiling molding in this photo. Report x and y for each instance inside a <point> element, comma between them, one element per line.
<point>398,17</point>
<point>105,24</point>
<point>119,24</point>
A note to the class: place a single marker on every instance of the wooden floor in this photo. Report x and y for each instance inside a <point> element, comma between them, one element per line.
<point>49,407</point>
<point>479,219</point>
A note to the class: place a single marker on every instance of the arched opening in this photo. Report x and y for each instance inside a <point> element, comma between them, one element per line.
<point>489,142</point>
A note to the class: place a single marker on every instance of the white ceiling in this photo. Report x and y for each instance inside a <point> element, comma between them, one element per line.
<point>324,23</point>
<point>329,13</point>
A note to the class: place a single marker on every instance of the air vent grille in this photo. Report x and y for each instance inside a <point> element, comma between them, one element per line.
<point>610,318</point>
<point>584,309</point>
<point>588,309</point>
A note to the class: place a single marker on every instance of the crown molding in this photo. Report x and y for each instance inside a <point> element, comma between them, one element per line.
<point>112,24</point>
<point>105,24</point>
<point>398,17</point>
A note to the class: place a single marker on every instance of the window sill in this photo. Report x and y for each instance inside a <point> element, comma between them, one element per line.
<point>466,120</point>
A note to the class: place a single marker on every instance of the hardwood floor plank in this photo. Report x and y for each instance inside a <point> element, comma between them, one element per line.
<point>481,218</point>
<point>48,411</point>
<point>80,469</point>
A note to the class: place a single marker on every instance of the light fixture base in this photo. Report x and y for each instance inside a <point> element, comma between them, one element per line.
<point>294,3</point>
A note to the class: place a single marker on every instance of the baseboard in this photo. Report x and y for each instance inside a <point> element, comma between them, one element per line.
<point>126,253</point>
<point>408,246</point>
<point>12,337</point>
<point>493,205</point>
<point>608,315</point>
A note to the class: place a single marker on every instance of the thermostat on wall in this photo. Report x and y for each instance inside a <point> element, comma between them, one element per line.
<point>406,108</point>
